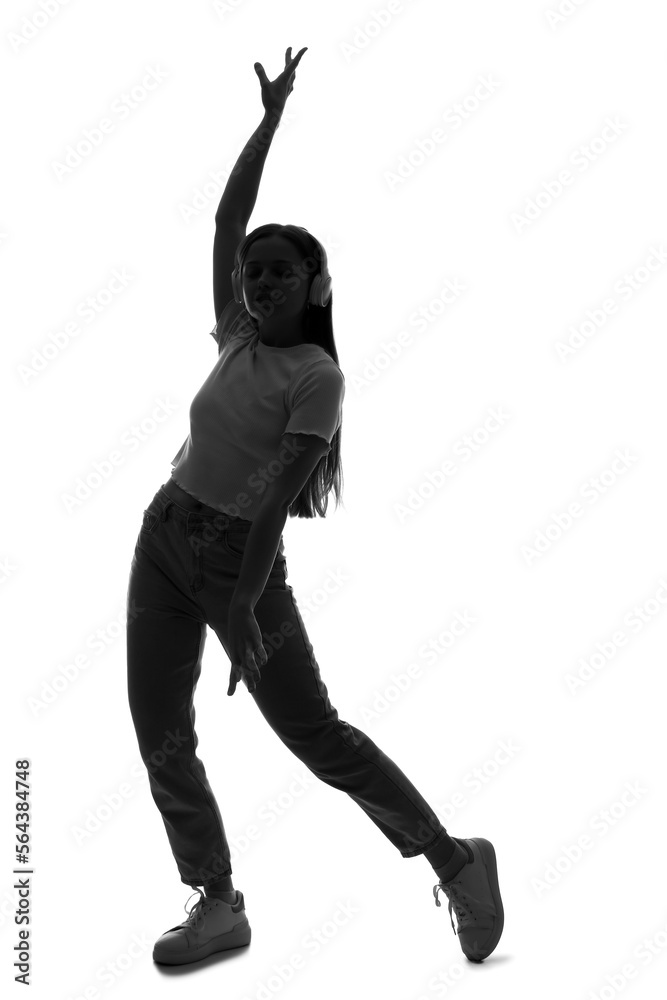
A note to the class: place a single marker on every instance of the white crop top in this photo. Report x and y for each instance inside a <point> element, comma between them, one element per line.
<point>253,396</point>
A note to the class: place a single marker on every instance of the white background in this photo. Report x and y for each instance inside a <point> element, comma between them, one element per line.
<point>366,99</point>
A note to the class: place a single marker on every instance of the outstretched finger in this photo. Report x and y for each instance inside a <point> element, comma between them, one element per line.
<point>259,69</point>
<point>297,58</point>
<point>234,678</point>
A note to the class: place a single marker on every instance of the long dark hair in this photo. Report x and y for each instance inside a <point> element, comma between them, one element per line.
<point>328,473</point>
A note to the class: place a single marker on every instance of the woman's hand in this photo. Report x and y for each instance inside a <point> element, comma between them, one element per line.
<point>246,650</point>
<point>276,92</point>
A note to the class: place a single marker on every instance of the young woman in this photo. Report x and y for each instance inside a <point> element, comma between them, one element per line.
<point>264,444</point>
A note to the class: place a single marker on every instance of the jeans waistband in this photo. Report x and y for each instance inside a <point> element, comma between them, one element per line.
<point>189,503</point>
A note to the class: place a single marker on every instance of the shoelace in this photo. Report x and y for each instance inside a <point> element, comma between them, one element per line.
<point>196,913</point>
<point>457,902</point>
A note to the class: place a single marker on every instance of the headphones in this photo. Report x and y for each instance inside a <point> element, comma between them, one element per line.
<point>320,289</point>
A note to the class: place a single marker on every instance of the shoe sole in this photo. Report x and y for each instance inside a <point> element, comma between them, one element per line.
<point>239,937</point>
<point>489,858</point>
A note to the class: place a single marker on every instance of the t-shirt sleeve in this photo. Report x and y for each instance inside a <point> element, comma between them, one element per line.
<point>228,323</point>
<point>316,402</point>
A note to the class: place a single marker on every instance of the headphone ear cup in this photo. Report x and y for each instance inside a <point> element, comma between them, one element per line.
<point>315,290</point>
<point>326,289</point>
<point>320,290</point>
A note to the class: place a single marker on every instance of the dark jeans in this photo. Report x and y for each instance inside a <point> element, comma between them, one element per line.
<point>184,571</point>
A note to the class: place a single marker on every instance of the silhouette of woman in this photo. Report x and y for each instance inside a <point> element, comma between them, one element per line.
<point>264,444</point>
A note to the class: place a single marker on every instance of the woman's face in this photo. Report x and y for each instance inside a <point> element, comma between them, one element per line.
<point>276,279</point>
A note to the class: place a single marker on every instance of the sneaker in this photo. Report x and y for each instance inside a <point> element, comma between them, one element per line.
<point>212,925</point>
<point>474,895</point>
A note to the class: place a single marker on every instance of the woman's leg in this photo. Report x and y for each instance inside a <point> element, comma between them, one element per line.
<point>293,699</point>
<point>166,634</point>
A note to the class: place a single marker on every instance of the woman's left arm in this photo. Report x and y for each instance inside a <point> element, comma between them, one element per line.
<point>298,456</point>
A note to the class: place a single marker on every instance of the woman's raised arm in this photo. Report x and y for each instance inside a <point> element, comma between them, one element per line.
<point>240,194</point>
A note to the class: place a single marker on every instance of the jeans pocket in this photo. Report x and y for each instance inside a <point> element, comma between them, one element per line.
<point>150,522</point>
<point>152,516</point>
<point>235,542</point>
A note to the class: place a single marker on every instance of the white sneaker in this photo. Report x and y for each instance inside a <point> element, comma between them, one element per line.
<point>212,925</point>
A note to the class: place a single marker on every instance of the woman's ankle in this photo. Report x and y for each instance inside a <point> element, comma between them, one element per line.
<point>223,884</point>
<point>226,897</point>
